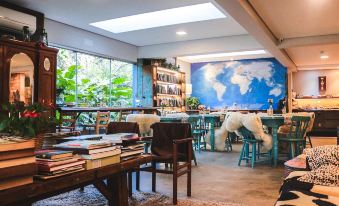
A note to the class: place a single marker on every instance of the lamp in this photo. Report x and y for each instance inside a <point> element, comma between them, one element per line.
<point>188,89</point>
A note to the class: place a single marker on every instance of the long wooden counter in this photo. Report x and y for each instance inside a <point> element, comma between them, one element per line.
<point>115,190</point>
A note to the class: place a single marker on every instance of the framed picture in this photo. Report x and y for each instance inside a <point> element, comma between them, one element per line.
<point>322,83</point>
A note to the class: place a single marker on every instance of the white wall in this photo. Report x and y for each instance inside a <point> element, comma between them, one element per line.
<point>185,67</point>
<point>306,82</point>
<point>202,46</point>
<point>72,37</point>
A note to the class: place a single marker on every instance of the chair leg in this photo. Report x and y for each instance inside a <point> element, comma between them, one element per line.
<point>254,154</point>
<point>241,153</point>
<point>291,150</point>
<point>189,180</point>
<point>258,155</point>
<point>309,140</point>
<point>199,141</point>
<point>137,179</point>
<point>153,177</point>
<point>194,158</point>
<point>247,151</point>
<point>130,187</point>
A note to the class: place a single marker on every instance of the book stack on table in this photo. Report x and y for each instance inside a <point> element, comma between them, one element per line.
<point>96,153</point>
<point>56,163</point>
<point>51,139</point>
<point>130,145</point>
<point>17,162</point>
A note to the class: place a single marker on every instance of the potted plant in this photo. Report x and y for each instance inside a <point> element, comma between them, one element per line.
<point>192,102</point>
<point>26,121</point>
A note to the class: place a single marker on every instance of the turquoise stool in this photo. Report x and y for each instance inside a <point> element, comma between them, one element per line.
<point>246,154</point>
<point>297,135</point>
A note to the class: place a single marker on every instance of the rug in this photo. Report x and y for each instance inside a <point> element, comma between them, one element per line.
<point>92,197</point>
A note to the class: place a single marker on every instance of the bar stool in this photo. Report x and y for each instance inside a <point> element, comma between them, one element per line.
<point>246,154</point>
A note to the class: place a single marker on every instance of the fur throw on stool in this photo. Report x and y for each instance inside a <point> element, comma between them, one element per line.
<point>234,120</point>
<point>144,121</point>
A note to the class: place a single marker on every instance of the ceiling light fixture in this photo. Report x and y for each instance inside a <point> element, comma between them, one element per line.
<point>323,55</point>
<point>180,15</point>
<point>229,54</point>
<point>181,33</point>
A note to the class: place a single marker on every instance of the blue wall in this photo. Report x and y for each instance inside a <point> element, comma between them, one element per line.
<point>248,83</point>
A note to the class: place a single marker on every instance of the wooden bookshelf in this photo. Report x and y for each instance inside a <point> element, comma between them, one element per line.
<point>169,88</point>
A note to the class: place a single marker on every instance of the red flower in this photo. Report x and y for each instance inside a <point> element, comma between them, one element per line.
<point>30,114</point>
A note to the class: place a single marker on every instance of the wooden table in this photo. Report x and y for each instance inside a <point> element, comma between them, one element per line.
<point>115,190</point>
<point>274,122</point>
<point>211,119</point>
<point>79,110</point>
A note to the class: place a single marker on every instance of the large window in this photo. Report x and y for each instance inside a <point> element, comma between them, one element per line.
<point>89,80</point>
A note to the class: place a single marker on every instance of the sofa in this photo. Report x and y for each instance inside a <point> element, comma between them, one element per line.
<point>318,185</point>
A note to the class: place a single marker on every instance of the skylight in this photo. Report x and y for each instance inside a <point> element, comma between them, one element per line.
<point>180,15</point>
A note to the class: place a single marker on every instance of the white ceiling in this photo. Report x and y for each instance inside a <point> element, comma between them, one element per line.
<point>80,13</point>
<point>301,21</point>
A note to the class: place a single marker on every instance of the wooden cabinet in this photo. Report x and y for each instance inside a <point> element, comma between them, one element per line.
<point>43,62</point>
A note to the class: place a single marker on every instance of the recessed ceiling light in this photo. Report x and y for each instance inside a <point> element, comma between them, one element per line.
<point>229,54</point>
<point>181,33</point>
<point>323,55</point>
<point>180,15</point>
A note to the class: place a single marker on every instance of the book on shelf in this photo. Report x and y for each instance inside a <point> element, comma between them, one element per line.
<point>83,144</point>
<point>60,168</point>
<point>17,161</point>
<point>29,169</point>
<point>13,154</point>
<point>53,154</point>
<point>43,163</point>
<point>101,154</point>
<point>15,182</point>
<point>12,144</point>
<point>96,163</point>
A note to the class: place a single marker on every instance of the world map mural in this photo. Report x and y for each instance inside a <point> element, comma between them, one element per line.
<point>248,84</point>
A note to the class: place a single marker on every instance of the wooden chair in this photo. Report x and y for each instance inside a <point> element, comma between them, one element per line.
<point>171,144</point>
<point>102,121</point>
<point>67,121</point>
<point>296,135</point>
<point>246,154</point>
<point>127,127</point>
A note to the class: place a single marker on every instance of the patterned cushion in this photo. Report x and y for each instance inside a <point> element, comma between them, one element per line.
<point>318,156</point>
<point>324,175</point>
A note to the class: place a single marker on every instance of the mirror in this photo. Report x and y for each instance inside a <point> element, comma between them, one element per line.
<point>21,84</point>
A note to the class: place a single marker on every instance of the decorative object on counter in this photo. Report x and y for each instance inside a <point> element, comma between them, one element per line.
<point>192,102</point>
<point>25,121</point>
<point>270,109</point>
<point>44,37</point>
<point>322,83</point>
<point>26,35</point>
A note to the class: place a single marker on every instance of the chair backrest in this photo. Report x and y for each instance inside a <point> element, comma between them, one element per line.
<point>68,119</point>
<point>299,125</point>
<point>163,135</point>
<point>102,120</point>
<point>196,123</point>
<point>123,127</point>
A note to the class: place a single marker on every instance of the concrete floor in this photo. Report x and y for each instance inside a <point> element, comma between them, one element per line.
<point>218,178</point>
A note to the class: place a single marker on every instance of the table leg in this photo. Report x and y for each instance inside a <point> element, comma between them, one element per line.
<point>212,135</point>
<point>117,185</point>
<point>275,145</point>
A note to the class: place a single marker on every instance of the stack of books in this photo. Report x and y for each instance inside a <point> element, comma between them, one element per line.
<point>17,162</point>
<point>129,142</point>
<point>51,139</point>
<point>56,163</point>
<point>96,153</point>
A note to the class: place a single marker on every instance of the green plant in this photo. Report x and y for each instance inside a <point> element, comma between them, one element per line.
<point>26,121</point>
<point>192,102</point>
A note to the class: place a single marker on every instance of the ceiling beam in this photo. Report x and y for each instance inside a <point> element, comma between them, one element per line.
<point>309,41</point>
<point>243,12</point>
